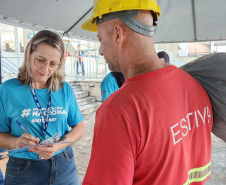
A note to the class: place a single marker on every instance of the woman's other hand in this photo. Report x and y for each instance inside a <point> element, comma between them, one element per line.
<point>45,152</point>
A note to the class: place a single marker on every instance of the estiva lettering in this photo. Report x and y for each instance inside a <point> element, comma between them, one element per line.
<point>181,129</point>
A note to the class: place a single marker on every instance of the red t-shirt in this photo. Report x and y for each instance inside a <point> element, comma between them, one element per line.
<point>155,130</point>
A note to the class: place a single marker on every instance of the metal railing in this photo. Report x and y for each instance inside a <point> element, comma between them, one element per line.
<point>8,68</point>
<point>94,67</point>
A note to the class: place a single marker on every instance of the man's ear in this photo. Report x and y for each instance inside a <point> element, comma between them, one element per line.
<point>118,35</point>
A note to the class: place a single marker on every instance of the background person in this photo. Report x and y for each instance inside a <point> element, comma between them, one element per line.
<point>156,129</point>
<point>79,55</point>
<point>66,54</point>
<point>163,56</point>
<point>111,83</point>
<point>8,48</point>
<point>40,83</point>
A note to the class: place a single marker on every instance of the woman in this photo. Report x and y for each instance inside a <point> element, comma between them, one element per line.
<point>44,105</point>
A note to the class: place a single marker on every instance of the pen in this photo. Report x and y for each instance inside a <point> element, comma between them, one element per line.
<point>21,126</point>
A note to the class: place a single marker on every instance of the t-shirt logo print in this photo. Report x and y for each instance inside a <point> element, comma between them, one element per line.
<point>26,113</point>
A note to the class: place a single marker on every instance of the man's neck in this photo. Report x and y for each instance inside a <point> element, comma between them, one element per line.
<point>142,67</point>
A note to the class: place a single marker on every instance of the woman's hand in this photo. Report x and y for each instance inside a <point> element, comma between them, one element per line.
<point>45,152</point>
<point>26,140</point>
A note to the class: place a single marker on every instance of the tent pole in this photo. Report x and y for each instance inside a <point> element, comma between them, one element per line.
<point>194,20</point>
<point>66,32</point>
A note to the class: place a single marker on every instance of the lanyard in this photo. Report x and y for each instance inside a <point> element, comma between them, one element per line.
<point>44,121</point>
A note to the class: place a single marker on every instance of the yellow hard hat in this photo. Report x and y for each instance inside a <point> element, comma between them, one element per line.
<point>102,7</point>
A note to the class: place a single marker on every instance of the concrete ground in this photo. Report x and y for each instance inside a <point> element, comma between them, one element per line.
<point>82,150</point>
<point>218,169</point>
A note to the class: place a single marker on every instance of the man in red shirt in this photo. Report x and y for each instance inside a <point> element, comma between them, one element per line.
<point>156,129</point>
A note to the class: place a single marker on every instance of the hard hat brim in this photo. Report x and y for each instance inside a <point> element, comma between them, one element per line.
<point>89,26</point>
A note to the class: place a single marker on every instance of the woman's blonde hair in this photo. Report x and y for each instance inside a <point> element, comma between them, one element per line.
<point>52,39</point>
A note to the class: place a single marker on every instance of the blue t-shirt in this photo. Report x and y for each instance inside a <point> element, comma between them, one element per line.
<point>108,86</point>
<point>17,103</point>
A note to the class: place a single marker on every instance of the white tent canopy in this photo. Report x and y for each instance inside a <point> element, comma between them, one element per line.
<point>181,20</point>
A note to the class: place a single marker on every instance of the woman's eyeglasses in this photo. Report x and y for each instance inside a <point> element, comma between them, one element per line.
<point>53,66</point>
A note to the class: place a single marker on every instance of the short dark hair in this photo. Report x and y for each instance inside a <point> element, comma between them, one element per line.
<point>164,55</point>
